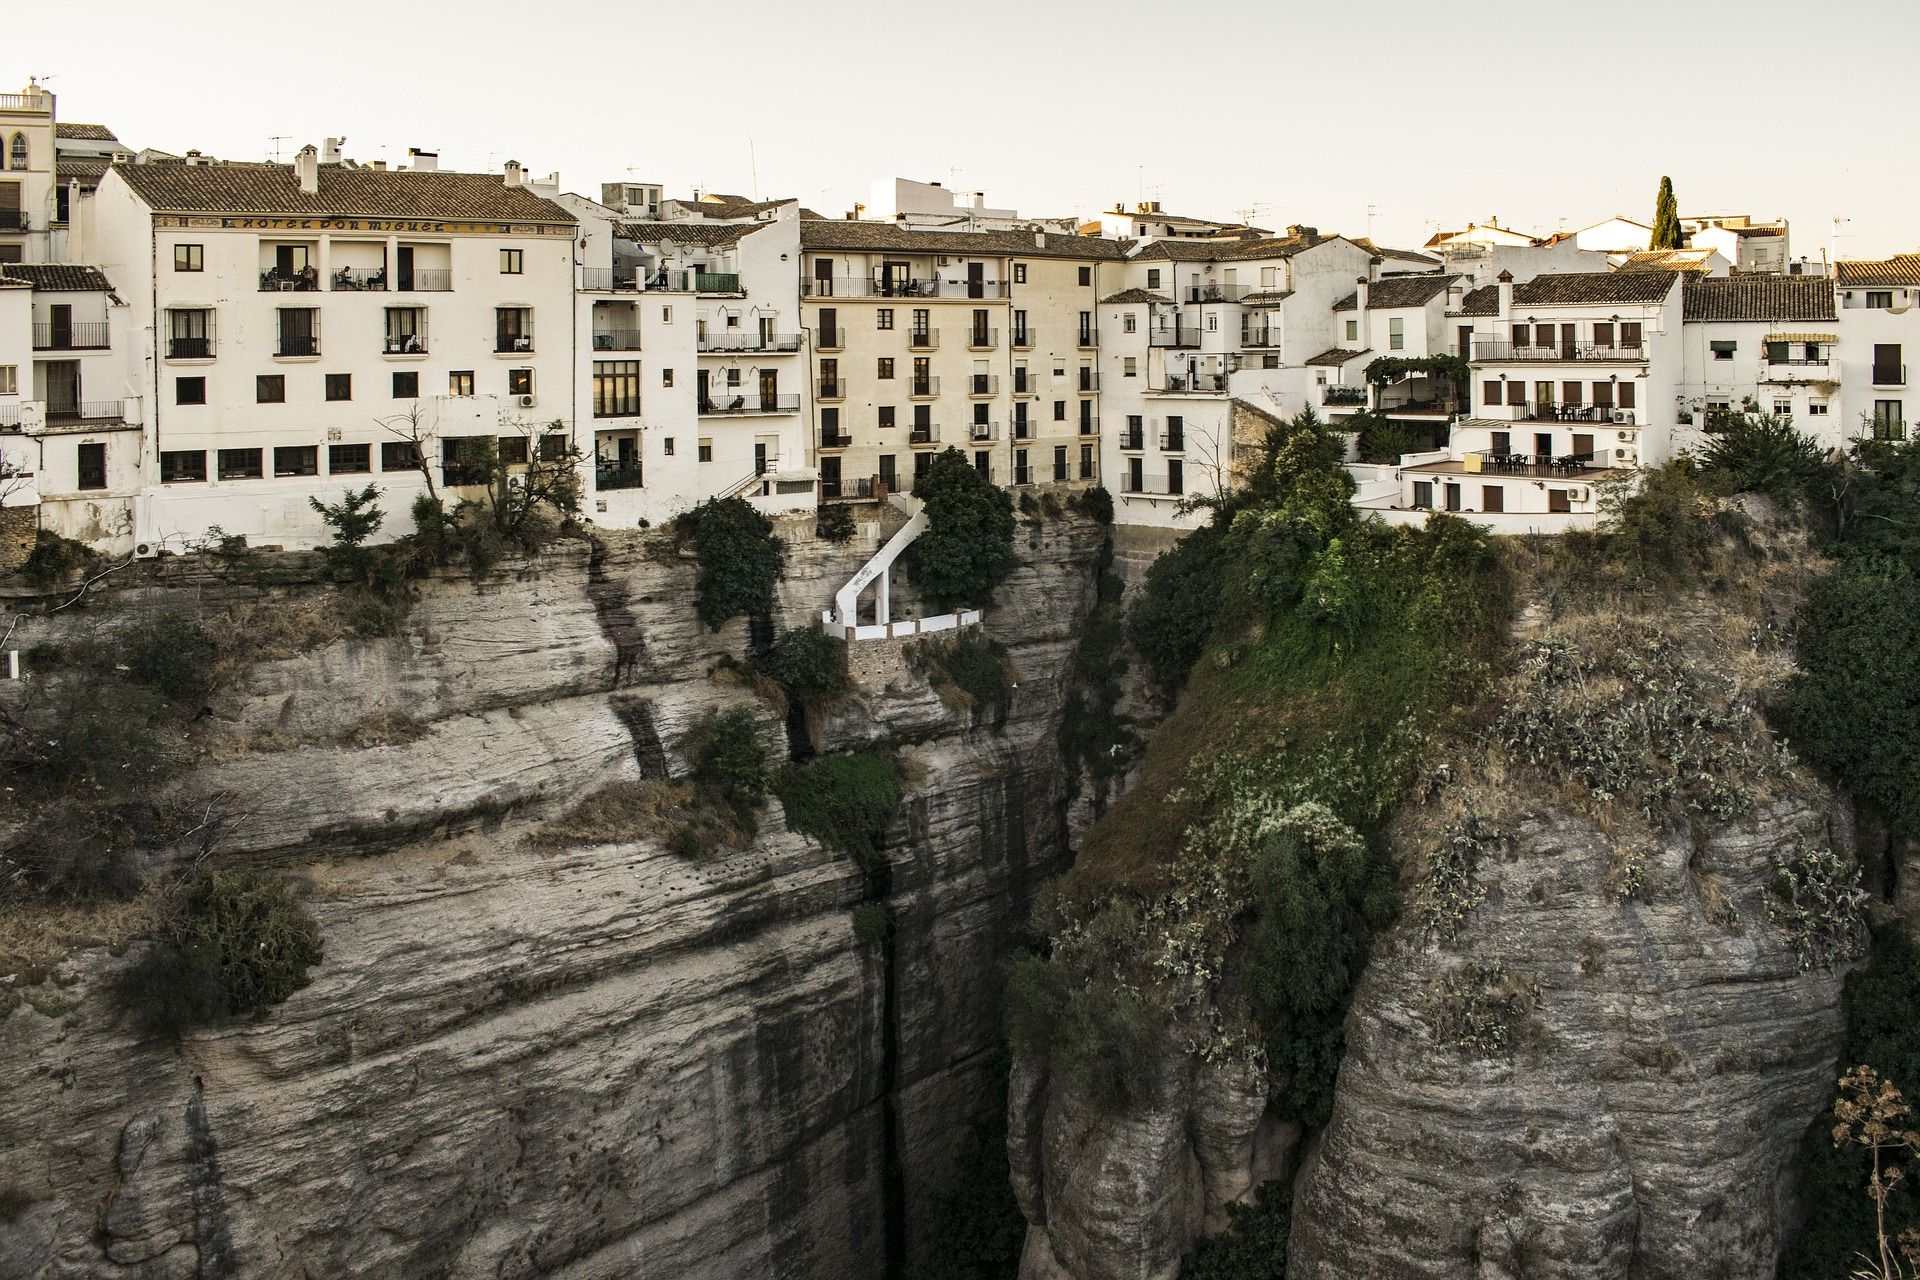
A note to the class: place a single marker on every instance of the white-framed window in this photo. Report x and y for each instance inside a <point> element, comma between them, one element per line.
<point>1131,367</point>
<point>1816,408</point>
<point>1127,323</point>
<point>1782,408</point>
<point>1213,323</point>
<point>1353,331</point>
<point>706,450</point>
<point>1397,333</point>
<point>9,379</point>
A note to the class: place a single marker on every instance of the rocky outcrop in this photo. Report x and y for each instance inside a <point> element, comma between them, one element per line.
<point>1644,1123</point>
<point>518,1059</point>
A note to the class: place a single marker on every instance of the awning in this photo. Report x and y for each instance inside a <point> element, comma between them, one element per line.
<point>1801,337</point>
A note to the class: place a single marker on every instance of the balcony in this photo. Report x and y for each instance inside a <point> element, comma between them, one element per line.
<point>1345,397</point>
<point>359,280</point>
<point>1198,384</point>
<point>982,339</point>
<point>90,336</point>
<point>1151,487</point>
<point>616,476</point>
<point>513,344</point>
<point>1178,336</point>
<point>1023,339</point>
<point>1173,441</point>
<point>716,282</point>
<point>1089,426</point>
<point>831,340</point>
<point>1262,337</point>
<point>87,411</point>
<point>902,287</point>
<point>608,280</point>
<point>923,388</point>
<point>1025,384</point>
<point>982,432</point>
<point>1207,291</point>
<point>10,415</point>
<point>923,339</point>
<point>1089,338</point>
<point>762,342</point>
<point>1558,353</point>
<point>1089,380</point>
<point>853,490</point>
<point>830,389</point>
<point>307,281</point>
<point>835,440</point>
<point>297,345</point>
<point>14,219</point>
<point>924,433</point>
<point>190,348</point>
<point>1022,429</point>
<point>426,281</point>
<point>1889,375</point>
<point>725,405</point>
<point>1540,465</point>
<point>617,340</point>
<point>1133,438</point>
<point>406,344</point>
<point>983,384</point>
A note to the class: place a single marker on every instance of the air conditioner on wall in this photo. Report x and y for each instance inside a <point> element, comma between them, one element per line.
<point>1625,455</point>
<point>526,402</point>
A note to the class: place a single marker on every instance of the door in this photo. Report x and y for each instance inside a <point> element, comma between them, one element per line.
<point>759,457</point>
<point>1136,475</point>
<point>63,388</point>
<point>886,473</point>
<point>766,332</point>
<point>823,283</point>
<point>626,452</point>
<point>403,267</point>
<point>829,327</point>
<point>769,388</point>
<point>1543,444</point>
<point>10,218</point>
<point>895,277</point>
<point>1463,337</point>
<point>702,382</point>
<point>976,279</point>
<point>980,327</point>
<point>1567,339</point>
<point>1887,369</point>
<point>830,476</point>
<point>60,321</point>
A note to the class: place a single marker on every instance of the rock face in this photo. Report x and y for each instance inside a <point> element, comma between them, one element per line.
<point>1645,1124</point>
<point>521,1060</point>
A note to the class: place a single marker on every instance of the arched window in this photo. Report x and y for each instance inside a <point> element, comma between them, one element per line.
<point>19,160</point>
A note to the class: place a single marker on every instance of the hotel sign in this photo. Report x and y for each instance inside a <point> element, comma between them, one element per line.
<point>365,226</point>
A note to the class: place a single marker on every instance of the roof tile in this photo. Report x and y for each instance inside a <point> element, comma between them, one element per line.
<point>343,191</point>
<point>1756,297</point>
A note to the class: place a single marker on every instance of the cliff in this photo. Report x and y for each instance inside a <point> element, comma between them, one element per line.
<point>523,1058</point>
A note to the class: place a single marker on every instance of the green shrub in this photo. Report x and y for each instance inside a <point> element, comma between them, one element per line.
<point>1029,503</point>
<point>809,662</point>
<point>1094,737</point>
<point>238,943</point>
<point>1102,1040</point>
<point>740,559</point>
<point>1662,528</point>
<point>1815,899</point>
<point>53,558</point>
<point>1763,453</point>
<point>1173,617</point>
<point>169,654</point>
<point>843,801</point>
<point>834,524</point>
<point>1383,440</point>
<point>1096,504</point>
<point>730,766</point>
<point>871,922</point>
<point>353,520</point>
<point>1254,1245</point>
<point>967,549</point>
<point>1481,1010</point>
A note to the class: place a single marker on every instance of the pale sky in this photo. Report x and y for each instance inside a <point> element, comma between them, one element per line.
<point>1546,116</point>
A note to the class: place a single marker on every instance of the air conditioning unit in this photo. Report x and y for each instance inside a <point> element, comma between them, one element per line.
<point>1577,495</point>
<point>944,259</point>
<point>1624,435</point>
<point>526,402</point>
<point>1623,415</point>
<point>145,551</point>
<point>1625,455</point>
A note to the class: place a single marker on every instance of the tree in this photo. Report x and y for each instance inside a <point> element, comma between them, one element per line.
<point>967,549</point>
<point>740,559</point>
<point>1666,218</point>
<point>353,520</point>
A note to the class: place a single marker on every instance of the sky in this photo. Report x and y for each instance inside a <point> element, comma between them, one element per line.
<point>1385,117</point>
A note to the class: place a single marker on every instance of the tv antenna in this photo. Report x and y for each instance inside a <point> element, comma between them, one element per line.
<point>274,141</point>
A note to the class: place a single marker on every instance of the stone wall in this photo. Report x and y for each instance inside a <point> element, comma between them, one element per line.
<point>19,526</point>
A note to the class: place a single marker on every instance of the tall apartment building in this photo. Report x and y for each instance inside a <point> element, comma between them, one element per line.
<point>27,182</point>
<point>304,328</point>
<point>986,341</point>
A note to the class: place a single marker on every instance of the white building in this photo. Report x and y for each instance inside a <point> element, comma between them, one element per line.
<point>1879,311</point>
<point>1615,235</point>
<point>1403,317</point>
<point>1750,246</point>
<point>304,328</point>
<point>1765,343</point>
<point>1146,220</point>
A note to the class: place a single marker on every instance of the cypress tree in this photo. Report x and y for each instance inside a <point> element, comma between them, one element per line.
<point>1666,218</point>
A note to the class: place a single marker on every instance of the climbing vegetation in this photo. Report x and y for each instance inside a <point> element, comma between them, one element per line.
<point>844,801</point>
<point>967,549</point>
<point>740,558</point>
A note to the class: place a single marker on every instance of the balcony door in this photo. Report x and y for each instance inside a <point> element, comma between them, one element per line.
<point>702,386</point>
<point>976,279</point>
<point>63,388</point>
<point>60,322</point>
<point>770,388</point>
<point>895,279</point>
<point>403,268</point>
<point>823,278</point>
<point>1886,365</point>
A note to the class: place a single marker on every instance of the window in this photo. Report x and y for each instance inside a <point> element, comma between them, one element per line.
<point>349,459</point>
<point>884,369</point>
<point>733,372</point>
<point>1816,408</point>
<point>1176,476</point>
<point>19,160</point>
<point>1888,371</point>
<point>519,382</point>
<point>616,388</point>
<point>1630,333</point>
<point>885,413</point>
<point>270,388</point>
<point>1086,275</point>
<point>706,450</point>
<point>1492,498</point>
<point>666,446</point>
<point>460,382</point>
<point>296,460</point>
<point>1213,322</point>
<point>1626,394</point>
<point>399,455</point>
<point>1128,323</point>
<point>463,460</point>
<point>883,318</point>
<point>9,379</point>
<point>553,446</point>
<point>1490,392</point>
<point>1782,408</point>
<point>666,377</point>
<point>512,261</point>
<point>1602,333</point>
<point>189,390</point>
<point>1059,410</point>
<point>1130,367</point>
<point>1517,393</point>
<point>299,332</point>
<point>406,386</point>
<point>513,329</point>
<point>1880,300</point>
<point>666,315</point>
<point>1353,331</point>
<point>1153,277</point>
<point>1723,350</point>
<point>93,466</point>
<point>1019,273</point>
<point>190,257</point>
<point>1558,501</point>
<point>1888,420</point>
<point>339,386</point>
<point>186,466</point>
<point>1059,462</point>
<point>1396,334</point>
<point>239,464</point>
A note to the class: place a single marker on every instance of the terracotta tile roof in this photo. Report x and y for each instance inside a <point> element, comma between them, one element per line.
<point>8,282</point>
<point>716,205</point>
<point>343,191</point>
<point>1484,301</point>
<point>1234,251</point>
<point>1135,295</point>
<point>86,170</point>
<point>1693,260</point>
<point>84,132</point>
<point>1398,291</point>
<point>1265,297</point>
<point>1766,298</point>
<point>59,277</point>
<point>1901,268</point>
<point>853,236</point>
<point>1574,288</point>
<point>1397,255</point>
<point>709,235</point>
<point>1337,356</point>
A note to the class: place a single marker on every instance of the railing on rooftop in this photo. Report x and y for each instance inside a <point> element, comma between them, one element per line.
<point>750,342</point>
<point>87,336</point>
<point>1335,395</point>
<point>1178,336</point>
<point>608,280</point>
<point>1198,384</point>
<point>716,282</point>
<point>1533,464</point>
<point>1557,353</point>
<point>1210,292</point>
<point>426,280</point>
<point>898,287</point>
<point>722,403</point>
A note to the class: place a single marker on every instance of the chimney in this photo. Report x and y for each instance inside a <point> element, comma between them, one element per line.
<point>1039,239</point>
<point>1373,266</point>
<point>1360,293</point>
<point>1506,298</point>
<point>330,150</point>
<point>423,161</point>
<point>306,170</point>
<point>514,173</point>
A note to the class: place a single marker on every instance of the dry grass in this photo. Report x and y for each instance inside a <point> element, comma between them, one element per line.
<point>277,628</point>
<point>753,680</point>
<point>628,810</point>
<point>384,728</point>
<point>36,935</point>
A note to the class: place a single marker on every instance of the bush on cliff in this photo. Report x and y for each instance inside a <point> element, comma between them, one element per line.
<point>740,559</point>
<point>843,801</point>
<point>967,549</point>
<point>809,662</point>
